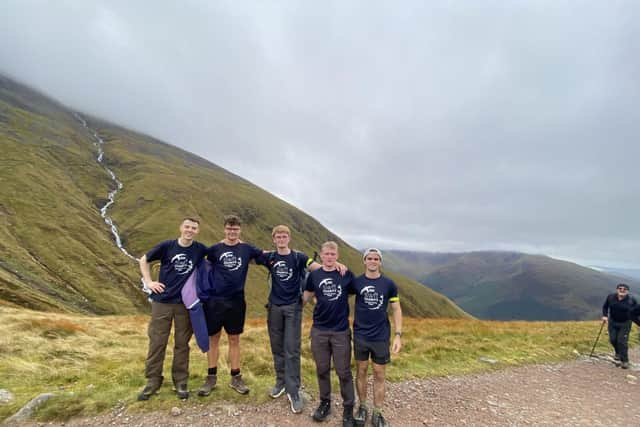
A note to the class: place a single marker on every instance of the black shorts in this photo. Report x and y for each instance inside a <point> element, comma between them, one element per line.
<point>378,350</point>
<point>227,313</point>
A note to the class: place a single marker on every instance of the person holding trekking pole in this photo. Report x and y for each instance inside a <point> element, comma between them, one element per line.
<point>616,311</point>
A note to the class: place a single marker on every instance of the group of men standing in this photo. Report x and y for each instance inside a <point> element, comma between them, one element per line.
<point>328,285</point>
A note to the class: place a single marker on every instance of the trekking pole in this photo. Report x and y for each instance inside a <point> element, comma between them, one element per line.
<point>597,338</point>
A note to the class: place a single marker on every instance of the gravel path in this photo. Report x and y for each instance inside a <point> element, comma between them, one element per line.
<point>585,392</point>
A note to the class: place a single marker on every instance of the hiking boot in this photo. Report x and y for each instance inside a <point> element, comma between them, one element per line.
<point>149,390</point>
<point>182,391</point>
<point>616,357</point>
<point>377,420</point>
<point>360,418</point>
<point>323,411</point>
<point>624,365</point>
<point>347,417</point>
<point>208,385</point>
<point>277,391</point>
<point>237,383</point>
<point>296,402</point>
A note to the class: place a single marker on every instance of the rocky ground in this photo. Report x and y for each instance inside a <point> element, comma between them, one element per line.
<point>584,392</point>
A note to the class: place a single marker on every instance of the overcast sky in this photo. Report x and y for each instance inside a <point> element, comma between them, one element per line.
<point>439,126</point>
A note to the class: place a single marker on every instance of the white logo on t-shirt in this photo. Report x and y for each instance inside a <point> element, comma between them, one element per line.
<point>330,289</point>
<point>282,271</point>
<point>230,261</point>
<point>182,264</point>
<point>371,298</point>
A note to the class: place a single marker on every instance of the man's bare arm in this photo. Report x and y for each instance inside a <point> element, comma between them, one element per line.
<point>145,270</point>
<point>397,325</point>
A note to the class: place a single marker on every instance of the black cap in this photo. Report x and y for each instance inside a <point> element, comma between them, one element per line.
<point>622,285</point>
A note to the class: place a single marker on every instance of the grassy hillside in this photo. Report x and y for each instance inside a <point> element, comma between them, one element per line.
<point>508,285</point>
<point>95,364</point>
<point>56,252</point>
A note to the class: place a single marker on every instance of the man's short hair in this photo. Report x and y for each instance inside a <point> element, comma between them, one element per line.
<point>232,220</point>
<point>192,219</point>
<point>329,245</point>
<point>280,229</point>
<point>622,285</point>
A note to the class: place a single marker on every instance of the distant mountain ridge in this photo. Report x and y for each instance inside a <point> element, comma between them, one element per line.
<point>56,252</point>
<point>511,285</point>
<point>629,273</point>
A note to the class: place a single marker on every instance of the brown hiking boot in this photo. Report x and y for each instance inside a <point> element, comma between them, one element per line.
<point>208,385</point>
<point>237,383</point>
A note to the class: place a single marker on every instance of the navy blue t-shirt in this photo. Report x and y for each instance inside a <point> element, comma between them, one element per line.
<point>230,267</point>
<point>332,294</point>
<point>286,272</point>
<point>176,264</point>
<point>371,321</point>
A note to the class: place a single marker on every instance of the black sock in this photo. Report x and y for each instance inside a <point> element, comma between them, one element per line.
<point>235,372</point>
<point>213,371</point>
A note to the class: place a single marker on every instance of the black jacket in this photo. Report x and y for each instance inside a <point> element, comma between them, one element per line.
<point>620,310</point>
<point>635,314</point>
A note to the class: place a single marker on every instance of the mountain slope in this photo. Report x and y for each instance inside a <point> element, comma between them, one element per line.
<point>508,285</point>
<point>57,253</point>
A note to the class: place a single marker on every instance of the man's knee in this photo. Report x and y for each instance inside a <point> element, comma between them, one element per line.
<point>361,368</point>
<point>378,372</point>
<point>234,340</point>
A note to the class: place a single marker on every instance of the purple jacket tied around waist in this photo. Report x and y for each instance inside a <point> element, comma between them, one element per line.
<point>193,291</point>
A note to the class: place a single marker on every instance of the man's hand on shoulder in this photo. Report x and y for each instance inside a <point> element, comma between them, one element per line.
<point>342,269</point>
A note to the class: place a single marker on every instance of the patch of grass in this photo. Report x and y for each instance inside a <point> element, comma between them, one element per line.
<point>98,364</point>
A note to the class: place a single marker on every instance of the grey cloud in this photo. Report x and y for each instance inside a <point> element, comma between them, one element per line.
<point>416,125</point>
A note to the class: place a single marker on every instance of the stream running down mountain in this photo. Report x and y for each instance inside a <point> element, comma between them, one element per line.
<point>98,142</point>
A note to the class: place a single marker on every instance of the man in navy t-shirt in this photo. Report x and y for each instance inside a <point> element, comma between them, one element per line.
<point>284,322</point>
<point>225,305</point>
<point>330,333</point>
<point>177,259</point>
<point>371,332</point>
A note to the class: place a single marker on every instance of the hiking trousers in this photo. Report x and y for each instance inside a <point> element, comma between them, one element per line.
<point>284,323</point>
<point>326,345</point>
<point>162,315</point>
<point>619,338</point>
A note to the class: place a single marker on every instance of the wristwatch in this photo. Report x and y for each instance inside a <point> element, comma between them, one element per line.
<point>398,334</point>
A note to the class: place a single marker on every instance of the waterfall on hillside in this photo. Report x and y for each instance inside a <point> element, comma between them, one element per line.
<point>98,142</point>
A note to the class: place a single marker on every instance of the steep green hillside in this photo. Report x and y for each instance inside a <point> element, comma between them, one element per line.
<point>507,285</point>
<point>57,253</point>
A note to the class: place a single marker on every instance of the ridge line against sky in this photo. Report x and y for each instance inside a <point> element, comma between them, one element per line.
<point>437,127</point>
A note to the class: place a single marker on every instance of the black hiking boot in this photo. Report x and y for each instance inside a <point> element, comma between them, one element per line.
<point>624,365</point>
<point>182,391</point>
<point>360,418</point>
<point>149,390</point>
<point>347,417</point>
<point>323,411</point>
<point>377,420</point>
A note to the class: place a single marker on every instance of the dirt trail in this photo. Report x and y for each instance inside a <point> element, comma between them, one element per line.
<point>585,392</point>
